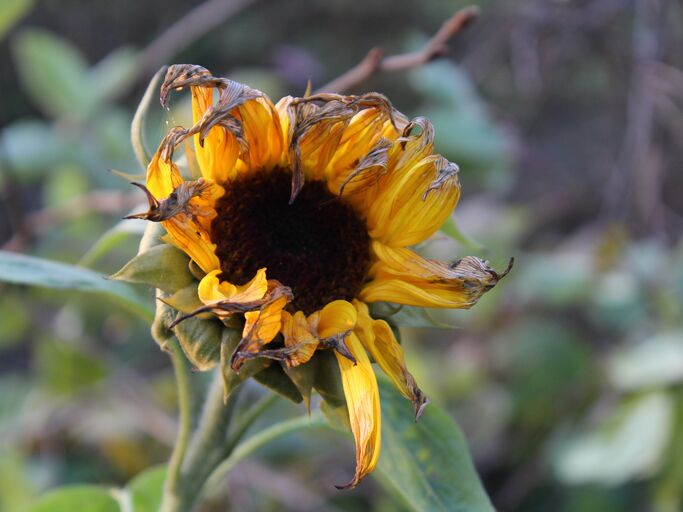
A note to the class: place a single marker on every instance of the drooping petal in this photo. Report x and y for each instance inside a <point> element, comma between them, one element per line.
<point>261,124</point>
<point>404,277</point>
<point>211,289</point>
<point>218,152</point>
<point>379,340</point>
<point>162,176</point>
<point>337,317</point>
<point>299,337</point>
<point>263,325</point>
<point>362,401</point>
<point>414,201</point>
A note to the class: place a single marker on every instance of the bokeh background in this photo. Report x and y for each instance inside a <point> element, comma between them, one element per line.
<point>566,118</point>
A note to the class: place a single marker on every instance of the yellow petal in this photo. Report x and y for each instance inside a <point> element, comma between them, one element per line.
<point>357,140</point>
<point>193,239</point>
<point>413,201</point>
<point>261,125</point>
<point>263,325</point>
<point>219,152</point>
<point>336,318</point>
<point>404,277</point>
<point>378,339</point>
<point>212,290</point>
<point>362,401</point>
<point>162,177</point>
<point>299,336</point>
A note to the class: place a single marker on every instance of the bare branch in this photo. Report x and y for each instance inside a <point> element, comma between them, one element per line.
<point>374,62</point>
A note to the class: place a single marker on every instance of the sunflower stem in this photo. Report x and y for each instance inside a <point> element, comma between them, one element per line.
<point>180,366</point>
<point>203,453</point>
<point>253,443</point>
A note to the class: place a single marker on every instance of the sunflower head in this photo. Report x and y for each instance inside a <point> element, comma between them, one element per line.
<point>292,219</point>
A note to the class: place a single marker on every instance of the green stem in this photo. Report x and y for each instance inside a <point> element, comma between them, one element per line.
<point>247,419</point>
<point>204,453</point>
<point>172,483</point>
<point>259,440</point>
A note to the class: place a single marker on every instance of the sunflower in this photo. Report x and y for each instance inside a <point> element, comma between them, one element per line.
<point>299,215</point>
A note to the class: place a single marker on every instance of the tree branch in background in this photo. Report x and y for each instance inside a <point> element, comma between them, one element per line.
<point>374,62</point>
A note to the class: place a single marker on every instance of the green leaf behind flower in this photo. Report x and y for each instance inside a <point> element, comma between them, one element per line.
<point>427,462</point>
<point>146,489</point>
<point>22,269</point>
<point>90,498</point>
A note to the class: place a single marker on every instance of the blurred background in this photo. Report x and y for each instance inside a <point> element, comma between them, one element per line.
<point>566,118</point>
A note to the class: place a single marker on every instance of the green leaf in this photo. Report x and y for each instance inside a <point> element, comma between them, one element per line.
<point>427,462</point>
<point>110,240</point>
<point>450,228</point>
<point>54,73</point>
<point>12,11</point>
<point>83,498</point>
<point>275,379</point>
<point>32,148</point>
<point>22,269</point>
<point>114,73</point>
<point>65,368</point>
<point>162,266</point>
<point>146,489</point>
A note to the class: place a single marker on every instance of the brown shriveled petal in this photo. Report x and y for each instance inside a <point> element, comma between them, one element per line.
<point>232,95</point>
<point>447,173</point>
<point>404,277</point>
<point>275,299</point>
<point>305,114</point>
<point>338,343</point>
<point>370,168</point>
<point>473,270</point>
<point>425,136</point>
<point>178,202</point>
<point>226,308</point>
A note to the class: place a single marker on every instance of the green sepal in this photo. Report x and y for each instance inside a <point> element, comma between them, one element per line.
<point>194,269</point>
<point>186,299</point>
<point>152,236</point>
<point>162,266</point>
<point>163,317</point>
<point>232,379</point>
<point>273,377</point>
<point>200,339</point>
<point>302,377</point>
<point>337,417</point>
<point>327,378</point>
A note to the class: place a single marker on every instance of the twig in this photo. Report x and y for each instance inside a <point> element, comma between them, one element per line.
<point>374,62</point>
<point>187,29</point>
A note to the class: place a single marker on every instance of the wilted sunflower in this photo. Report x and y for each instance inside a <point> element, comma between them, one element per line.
<point>302,216</point>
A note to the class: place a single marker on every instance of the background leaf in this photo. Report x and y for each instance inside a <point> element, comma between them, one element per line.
<point>22,269</point>
<point>12,11</point>
<point>82,498</point>
<point>54,73</point>
<point>427,462</point>
<point>146,489</point>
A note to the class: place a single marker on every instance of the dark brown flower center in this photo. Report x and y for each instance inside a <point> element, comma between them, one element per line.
<point>318,246</point>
